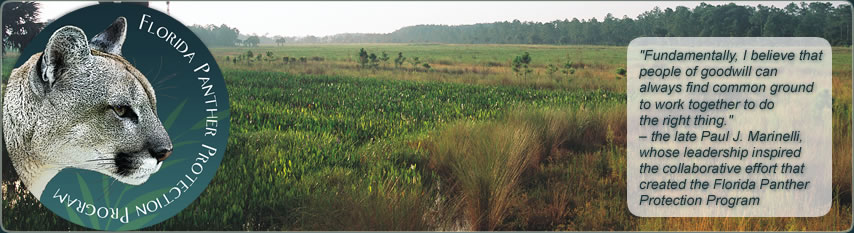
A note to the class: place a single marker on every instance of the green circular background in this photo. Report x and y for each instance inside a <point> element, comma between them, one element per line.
<point>180,106</point>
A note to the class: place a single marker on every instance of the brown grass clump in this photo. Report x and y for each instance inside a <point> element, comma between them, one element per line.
<point>488,164</point>
<point>485,163</point>
<point>352,205</point>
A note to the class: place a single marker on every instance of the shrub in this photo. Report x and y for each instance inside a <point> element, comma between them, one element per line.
<point>551,69</point>
<point>621,71</point>
<point>415,62</point>
<point>399,60</point>
<point>363,57</point>
<point>520,64</point>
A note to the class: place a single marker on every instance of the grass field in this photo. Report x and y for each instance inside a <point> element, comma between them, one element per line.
<point>594,66</point>
<point>321,142</point>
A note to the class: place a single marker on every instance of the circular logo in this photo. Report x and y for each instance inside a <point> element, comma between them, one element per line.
<point>116,117</point>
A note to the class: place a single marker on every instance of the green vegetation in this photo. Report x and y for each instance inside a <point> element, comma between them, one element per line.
<point>8,64</point>
<point>485,163</point>
<point>528,135</point>
<point>213,35</point>
<point>814,19</point>
<point>320,142</point>
<point>251,41</point>
<point>20,24</point>
<point>520,64</point>
<point>316,145</point>
<point>490,65</point>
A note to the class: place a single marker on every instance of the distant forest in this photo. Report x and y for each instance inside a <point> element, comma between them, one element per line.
<point>815,19</point>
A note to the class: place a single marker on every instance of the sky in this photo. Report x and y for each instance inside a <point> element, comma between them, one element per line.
<point>293,18</point>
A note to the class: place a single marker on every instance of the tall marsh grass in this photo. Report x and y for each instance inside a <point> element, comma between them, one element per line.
<point>487,164</point>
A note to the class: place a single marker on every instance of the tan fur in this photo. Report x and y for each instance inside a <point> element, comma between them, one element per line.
<point>62,110</point>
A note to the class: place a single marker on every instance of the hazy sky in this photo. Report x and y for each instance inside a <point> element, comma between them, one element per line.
<point>328,18</point>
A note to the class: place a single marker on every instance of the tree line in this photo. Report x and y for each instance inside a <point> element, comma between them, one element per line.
<point>213,35</point>
<point>225,36</point>
<point>816,19</point>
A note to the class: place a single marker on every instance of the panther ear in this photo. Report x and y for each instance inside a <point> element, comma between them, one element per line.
<point>65,48</point>
<point>112,38</point>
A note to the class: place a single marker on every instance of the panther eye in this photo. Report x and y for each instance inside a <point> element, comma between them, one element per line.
<point>122,111</point>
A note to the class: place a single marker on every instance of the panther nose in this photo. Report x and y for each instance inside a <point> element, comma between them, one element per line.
<point>161,153</point>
